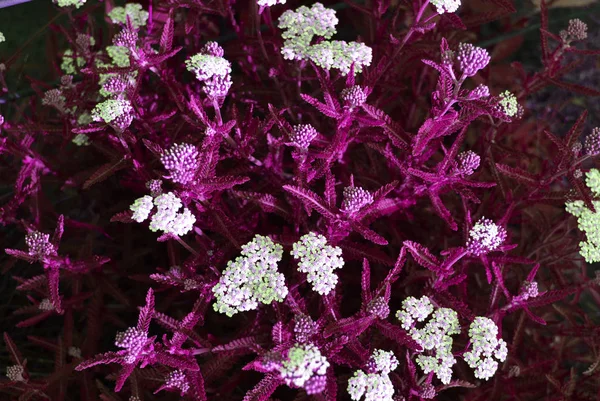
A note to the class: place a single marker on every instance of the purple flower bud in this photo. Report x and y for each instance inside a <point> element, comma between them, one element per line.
<point>181,160</point>
<point>133,341</point>
<point>155,187</point>
<point>354,96</point>
<point>177,380</point>
<point>302,135</point>
<point>427,391</point>
<point>379,308</point>
<point>212,49</point>
<point>529,290</point>
<point>355,198</point>
<point>577,29</point>
<point>39,244</point>
<point>304,328</point>
<point>592,143</point>
<point>315,385</point>
<point>482,91</point>
<point>472,59</point>
<point>467,162</point>
<point>126,38</point>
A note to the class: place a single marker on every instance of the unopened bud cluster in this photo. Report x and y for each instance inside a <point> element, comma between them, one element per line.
<point>181,160</point>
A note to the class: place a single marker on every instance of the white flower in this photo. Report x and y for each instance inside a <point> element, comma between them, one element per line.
<point>446,6</point>
<point>141,208</point>
<point>318,260</point>
<point>304,361</point>
<point>483,334</point>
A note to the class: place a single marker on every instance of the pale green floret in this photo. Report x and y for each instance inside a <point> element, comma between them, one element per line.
<point>592,180</point>
<point>84,119</point>
<point>508,103</point>
<point>588,221</point>
<point>137,15</point>
<point>341,55</point>
<point>119,55</point>
<point>110,109</point>
<point>68,62</point>
<point>81,140</point>
<point>2,38</point>
<point>69,3</point>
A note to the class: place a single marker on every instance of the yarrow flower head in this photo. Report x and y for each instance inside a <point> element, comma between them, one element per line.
<point>137,15</point>
<point>46,305</point>
<point>304,362</point>
<point>471,58</point>
<point>588,221</point>
<point>269,3</point>
<point>341,55</point>
<point>302,135</point>
<point>15,373</point>
<point>382,362</point>
<point>116,112</point>
<point>167,217</point>
<point>485,236</point>
<point>483,334</point>
<point>375,385</point>
<point>355,198</point>
<point>81,140</point>
<point>69,3</point>
<point>302,25</point>
<point>318,260</point>
<point>181,160</point>
<point>135,343</point>
<point>251,279</point>
<point>592,142</point>
<point>213,70</point>
<point>468,162</point>
<point>434,336</point>
<point>508,104</point>
<point>39,244</point>
<point>446,6</point>
<point>141,208</point>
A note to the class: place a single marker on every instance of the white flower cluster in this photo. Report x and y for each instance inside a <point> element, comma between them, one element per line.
<point>485,236</point>
<point>588,221</point>
<point>483,334</point>
<point>205,66</point>
<point>302,25</point>
<point>269,3</point>
<point>110,109</point>
<point>435,336</point>
<point>508,104</point>
<point>167,217</point>
<point>304,361</point>
<point>137,15</point>
<point>446,6</point>
<point>69,3</point>
<point>318,260</point>
<point>251,279</point>
<point>376,385</point>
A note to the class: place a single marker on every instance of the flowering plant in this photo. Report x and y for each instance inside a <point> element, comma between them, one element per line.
<point>337,201</point>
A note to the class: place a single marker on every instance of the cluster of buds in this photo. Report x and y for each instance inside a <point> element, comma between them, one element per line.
<point>484,237</point>
<point>15,373</point>
<point>375,385</point>
<point>318,260</point>
<point>302,135</point>
<point>132,11</point>
<point>176,380</point>
<point>588,221</point>
<point>468,162</point>
<point>481,92</point>
<point>55,98</point>
<point>118,113</point>
<point>181,160</point>
<point>507,104</point>
<point>354,96</point>
<point>251,279</point>
<point>471,59</point>
<point>592,143</point>
<point>483,334</point>
<point>167,217</point>
<point>135,344</point>
<point>39,245</point>
<point>212,69</point>
<point>577,30</point>
<point>435,336</point>
<point>305,367</point>
<point>304,328</point>
<point>355,198</point>
<point>302,25</point>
